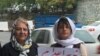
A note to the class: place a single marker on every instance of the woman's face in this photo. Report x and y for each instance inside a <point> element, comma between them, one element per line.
<point>63,31</point>
<point>21,31</point>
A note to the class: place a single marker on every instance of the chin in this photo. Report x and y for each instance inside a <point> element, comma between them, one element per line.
<point>63,38</point>
<point>22,38</point>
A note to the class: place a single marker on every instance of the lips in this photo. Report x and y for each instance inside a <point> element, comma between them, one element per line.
<point>65,33</point>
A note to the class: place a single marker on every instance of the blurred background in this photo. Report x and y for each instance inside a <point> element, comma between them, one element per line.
<point>82,12</point>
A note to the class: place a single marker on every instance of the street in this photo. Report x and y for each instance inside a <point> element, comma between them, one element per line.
<point>4,37</point>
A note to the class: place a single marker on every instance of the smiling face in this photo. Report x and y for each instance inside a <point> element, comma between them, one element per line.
<point>21,30</point>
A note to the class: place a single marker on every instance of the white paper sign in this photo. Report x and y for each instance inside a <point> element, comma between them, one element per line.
<point>45,51</point>
<point>50,51</point>
<point>71,52</point>
<point>58,52</point>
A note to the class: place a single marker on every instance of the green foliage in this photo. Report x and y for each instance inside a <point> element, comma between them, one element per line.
<point>5,3</point>
<point>40,6</point>
<point>44,4</point>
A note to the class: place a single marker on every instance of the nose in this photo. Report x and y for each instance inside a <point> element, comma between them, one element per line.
<point>22,31</point>
<point>64,28</point>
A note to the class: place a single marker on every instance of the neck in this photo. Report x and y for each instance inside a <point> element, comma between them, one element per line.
<point>21,42</point>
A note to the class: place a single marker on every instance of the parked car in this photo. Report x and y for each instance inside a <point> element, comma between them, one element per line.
<point>93,29</point>
<point>45,37</point>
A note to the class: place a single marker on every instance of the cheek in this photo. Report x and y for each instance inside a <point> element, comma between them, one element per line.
<point>60,31</point>
<point>19,34</point>
<point>26,33</point>
<point>69,31</point>
<point>64,33</point>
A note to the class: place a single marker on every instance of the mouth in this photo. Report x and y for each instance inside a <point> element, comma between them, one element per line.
<point>22,35</point>
<point>65,33</point>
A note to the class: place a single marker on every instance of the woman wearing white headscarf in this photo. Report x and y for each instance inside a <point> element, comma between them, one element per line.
<point>64,30</point>
<point>20,43</point>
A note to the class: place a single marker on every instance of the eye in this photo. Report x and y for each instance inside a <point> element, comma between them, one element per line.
<point>18,29</point>
<point>25,29</point>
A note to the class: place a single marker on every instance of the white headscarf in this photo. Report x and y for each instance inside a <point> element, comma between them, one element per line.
<point>71,40</point>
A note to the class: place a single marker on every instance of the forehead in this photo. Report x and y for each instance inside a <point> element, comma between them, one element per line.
<point>63,24</point>
<point>21,24</point>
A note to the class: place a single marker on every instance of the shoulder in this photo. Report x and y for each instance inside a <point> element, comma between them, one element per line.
<point>7,45</point>
<point>34,44</point>
<point>56,45</point>
<point>33,49</point>
<point>77,45</point>
<point>7,49</point>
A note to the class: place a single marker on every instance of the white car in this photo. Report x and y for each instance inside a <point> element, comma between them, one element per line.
<point>44,37</point>
<point>93,29</point>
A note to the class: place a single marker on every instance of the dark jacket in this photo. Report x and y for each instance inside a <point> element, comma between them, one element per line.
<point>0,49</point>
<point>8,50</point>
<point>59,45</point>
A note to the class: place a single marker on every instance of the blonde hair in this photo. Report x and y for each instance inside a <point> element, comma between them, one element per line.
<point>20,20</point>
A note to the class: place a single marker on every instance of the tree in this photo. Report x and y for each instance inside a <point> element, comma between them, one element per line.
<point>16,7</point>
<point>56,6</point>
<point>13,7</point>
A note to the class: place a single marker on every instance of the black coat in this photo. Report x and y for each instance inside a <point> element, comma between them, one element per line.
<point>8,50</point>
<point>0,49</point>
